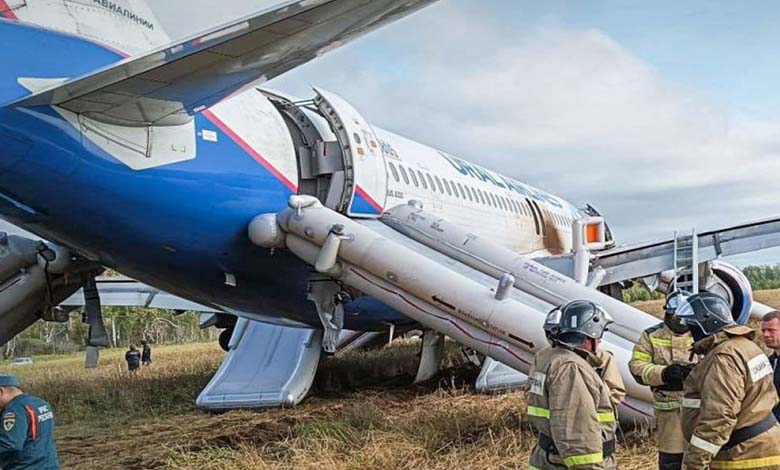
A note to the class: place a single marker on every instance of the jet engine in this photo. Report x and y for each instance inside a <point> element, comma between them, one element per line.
<point>35,277</point>
<point>723,279</point>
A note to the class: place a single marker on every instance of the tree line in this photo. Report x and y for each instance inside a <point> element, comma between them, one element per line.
<point>125,326</point>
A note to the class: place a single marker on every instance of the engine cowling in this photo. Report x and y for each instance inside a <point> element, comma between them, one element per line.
<point>34,278</point>
<point>730,282</point>
<point>727,281</point>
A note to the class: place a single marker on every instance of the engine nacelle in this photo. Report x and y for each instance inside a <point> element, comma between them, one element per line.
<point>34,278</point>
<point>725,280</point>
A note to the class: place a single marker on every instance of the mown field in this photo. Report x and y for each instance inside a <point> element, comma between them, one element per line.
<point>363,413</point>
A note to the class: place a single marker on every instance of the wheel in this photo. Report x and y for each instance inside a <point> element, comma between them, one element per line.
<point>224,339</point>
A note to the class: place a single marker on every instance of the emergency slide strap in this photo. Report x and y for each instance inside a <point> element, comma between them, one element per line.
<point>748,432</point>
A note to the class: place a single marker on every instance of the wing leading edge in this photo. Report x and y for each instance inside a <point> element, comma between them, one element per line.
<point>167,86</point>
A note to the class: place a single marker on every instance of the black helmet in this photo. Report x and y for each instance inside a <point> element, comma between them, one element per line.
<point>578,317</point>
<point>706,312</point>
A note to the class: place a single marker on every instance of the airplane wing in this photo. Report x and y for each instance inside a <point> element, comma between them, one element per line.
<point>169,85</point>
<point>649,258</point>
<point>124,292</point>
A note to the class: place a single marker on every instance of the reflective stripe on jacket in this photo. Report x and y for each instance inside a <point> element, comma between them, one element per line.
<point>731,388</point>
<point>657,348</point>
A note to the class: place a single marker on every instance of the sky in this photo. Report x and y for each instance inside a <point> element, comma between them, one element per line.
<point>663,115</point>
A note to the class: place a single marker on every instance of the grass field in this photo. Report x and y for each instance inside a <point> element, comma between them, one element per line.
<point>363,413</point>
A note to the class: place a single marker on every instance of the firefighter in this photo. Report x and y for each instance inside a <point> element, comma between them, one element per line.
<point>26,429</point>
<point>662,360</point>
<point>607,368</point>
<point>728,397</point>
<point>568,402</point>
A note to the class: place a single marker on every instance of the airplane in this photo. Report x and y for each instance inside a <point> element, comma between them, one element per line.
<point>169,163</point>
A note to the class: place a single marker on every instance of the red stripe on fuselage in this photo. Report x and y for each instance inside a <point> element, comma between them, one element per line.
<point>6,12</point>
<point>248,149</point>
<point>368,198</point>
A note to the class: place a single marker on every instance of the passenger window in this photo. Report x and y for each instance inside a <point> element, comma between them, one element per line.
<point>492,199</point>
<point>403,174</point>
<point>393,171</point>
<point>414,178</point>
<point>438,183</point>
<point>422,179</point>
<point>504,204</point>
<point>430,182</point>
<point>463,193</point>
<point>447,187</point>
<point>482,196</point>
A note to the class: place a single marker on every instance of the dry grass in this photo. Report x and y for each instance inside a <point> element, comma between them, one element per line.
<point>111,393</point>
<point>363,413</point>
<point>371,430</point>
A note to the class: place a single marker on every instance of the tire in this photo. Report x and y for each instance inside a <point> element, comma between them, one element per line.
<point>224,339</point>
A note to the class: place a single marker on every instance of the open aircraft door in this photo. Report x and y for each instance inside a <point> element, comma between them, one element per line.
<point>365,182</point>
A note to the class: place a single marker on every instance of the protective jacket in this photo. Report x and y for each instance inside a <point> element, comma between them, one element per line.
<point>571,407</point>
<point>27,435</point>
<point>608,370</point>
<point>727,405</point>
<point>657,348</point>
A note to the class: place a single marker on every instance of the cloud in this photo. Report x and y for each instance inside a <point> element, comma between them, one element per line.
<point>567,109</point>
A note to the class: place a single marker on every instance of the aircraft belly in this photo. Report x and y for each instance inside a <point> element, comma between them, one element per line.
<point>180,227</point>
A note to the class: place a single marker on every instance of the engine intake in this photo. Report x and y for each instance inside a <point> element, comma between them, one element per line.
<point>725,280</point>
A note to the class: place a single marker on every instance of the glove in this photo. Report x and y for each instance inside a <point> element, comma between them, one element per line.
<point>687,368</point>
<point>674,375</point>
